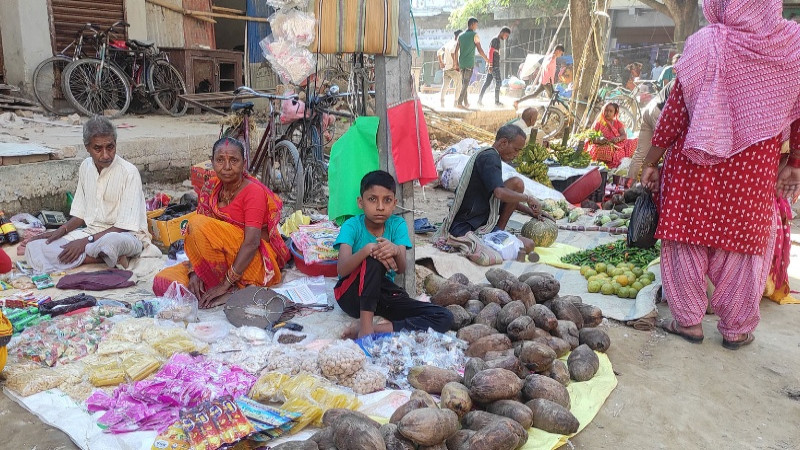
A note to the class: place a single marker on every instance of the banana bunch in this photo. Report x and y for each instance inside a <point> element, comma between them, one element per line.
<point>530,163</point>
<point>293,223</point>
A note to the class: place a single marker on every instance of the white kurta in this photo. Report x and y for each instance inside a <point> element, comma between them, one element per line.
<point>111,198</point>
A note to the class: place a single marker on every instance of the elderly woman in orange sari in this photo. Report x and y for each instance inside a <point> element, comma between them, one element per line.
<point>233,240</point>
<point>613,145</point>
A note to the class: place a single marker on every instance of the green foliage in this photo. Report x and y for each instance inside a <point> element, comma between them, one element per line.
<point>482,8</point>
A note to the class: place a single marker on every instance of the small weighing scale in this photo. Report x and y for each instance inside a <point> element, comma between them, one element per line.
<point>52,219</point>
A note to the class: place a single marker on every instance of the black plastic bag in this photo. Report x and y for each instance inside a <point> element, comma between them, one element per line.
<point>642,227</point>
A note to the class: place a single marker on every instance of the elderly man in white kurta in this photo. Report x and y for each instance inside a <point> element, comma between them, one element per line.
<point>109,217</point>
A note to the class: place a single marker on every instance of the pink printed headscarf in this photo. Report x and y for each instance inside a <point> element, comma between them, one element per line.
<point>740,78</point>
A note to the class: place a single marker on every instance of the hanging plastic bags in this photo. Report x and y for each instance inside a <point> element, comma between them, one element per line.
<point>642,227</point>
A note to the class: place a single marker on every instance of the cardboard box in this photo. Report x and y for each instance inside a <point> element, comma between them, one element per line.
<point>165,232</point>
<point>152,215</point>
<point>200,174</point>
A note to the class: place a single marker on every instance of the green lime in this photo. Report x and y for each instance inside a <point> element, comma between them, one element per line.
<point>600,267</point>
<point>594,287</point>
<point>584,269</point>
<point>637,271</point>
<point>618,271</point>
<point>633,292</point>
<point>607,289</point>
<point>638,286</point>
<point>590,273</point>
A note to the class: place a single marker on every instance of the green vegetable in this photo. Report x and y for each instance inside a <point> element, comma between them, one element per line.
<point>530,163</point>
<point>575,214</point>
<point>615,253</point>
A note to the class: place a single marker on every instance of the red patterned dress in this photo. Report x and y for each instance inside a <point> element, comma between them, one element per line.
<point>716,221</point>
<point>731,205</point>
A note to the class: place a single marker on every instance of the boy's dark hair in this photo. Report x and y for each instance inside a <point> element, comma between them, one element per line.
<point>378,178</point>
<point>471,21</point>
<point>505,30</point>
<point>456,33</point>
<point>559,47</point>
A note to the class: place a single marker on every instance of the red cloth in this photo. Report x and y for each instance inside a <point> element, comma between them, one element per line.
<point>624,149</point>
<point>248,207</point>
<point>728,206</point>
<point>5,262</point>
<point>411,145</point>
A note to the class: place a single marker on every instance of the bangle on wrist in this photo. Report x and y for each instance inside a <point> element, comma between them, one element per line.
<point>651,164</point>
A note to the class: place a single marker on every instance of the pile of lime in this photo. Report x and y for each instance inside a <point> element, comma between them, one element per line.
<point>623,280</point>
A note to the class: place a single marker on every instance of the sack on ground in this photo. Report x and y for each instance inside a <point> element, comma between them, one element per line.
<point>642,227</point>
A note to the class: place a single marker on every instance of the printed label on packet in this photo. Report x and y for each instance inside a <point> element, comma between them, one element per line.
<point>174,438</point>
<point>202,433</point>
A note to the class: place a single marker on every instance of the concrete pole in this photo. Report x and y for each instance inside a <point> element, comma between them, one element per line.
<point>25,27</point>
<point>393,84</point>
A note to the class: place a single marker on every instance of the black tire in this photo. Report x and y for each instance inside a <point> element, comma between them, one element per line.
<point>80,86</point>
<point>165,84</point>
<point>553,123</point>
<point>283,174</point>
<point>47,85</point>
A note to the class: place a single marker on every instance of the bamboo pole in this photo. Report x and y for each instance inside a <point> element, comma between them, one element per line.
<point>228,16</point>
<point>180,10</point>
<point>221,9</point>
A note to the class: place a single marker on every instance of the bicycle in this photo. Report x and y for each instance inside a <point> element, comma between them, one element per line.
<point>103,84</point>
<point>47,86</point>
<point>310,134</point>
<point>554,117</point>
<point>276,161</point>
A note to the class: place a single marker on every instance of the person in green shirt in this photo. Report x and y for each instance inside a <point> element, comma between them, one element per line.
<point>465,55</point>
<point>669,72</point>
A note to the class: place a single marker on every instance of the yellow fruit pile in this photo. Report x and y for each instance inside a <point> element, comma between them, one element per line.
<point>624,280</point>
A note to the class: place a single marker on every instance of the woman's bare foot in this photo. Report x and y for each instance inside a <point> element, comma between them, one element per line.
<point>351,332</point>
<point>123,261</point>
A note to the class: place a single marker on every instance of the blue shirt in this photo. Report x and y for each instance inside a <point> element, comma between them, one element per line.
<point>355,234</point>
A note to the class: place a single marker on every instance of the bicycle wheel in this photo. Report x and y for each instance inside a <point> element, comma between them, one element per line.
<point>92,91</point>
<point>628,119</point>
<point>553,122</point>
<point>165,84</point>
<point>47,85</point>
<point>283,174</point>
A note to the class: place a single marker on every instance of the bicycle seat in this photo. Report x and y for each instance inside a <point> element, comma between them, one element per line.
<point>236,106</point>
<point>143,44</point>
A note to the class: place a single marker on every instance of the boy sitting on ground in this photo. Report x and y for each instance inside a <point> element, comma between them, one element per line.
<point>372,249</point>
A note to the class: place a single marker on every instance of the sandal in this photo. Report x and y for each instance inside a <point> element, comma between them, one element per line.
<point>672,327</point>
<point>736,345</point>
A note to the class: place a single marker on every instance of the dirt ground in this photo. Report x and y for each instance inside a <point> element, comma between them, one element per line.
<point>671,394</point>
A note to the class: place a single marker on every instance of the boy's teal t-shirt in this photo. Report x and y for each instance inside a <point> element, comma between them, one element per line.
<point>355,234</point>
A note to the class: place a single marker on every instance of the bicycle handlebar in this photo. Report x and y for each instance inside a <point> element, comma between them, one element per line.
<point>248,90</point>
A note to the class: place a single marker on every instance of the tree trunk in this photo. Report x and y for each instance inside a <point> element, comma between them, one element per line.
<point>687,21</point>
<point>581,17</point>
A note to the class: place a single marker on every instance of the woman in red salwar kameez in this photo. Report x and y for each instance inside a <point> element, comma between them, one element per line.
<point>736,97</point>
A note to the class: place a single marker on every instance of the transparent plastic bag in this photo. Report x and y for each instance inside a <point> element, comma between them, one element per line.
<point>35,381</point>
<point>179,304</point>
<point>285,4</point>
<point>268,387</point>
<point>505,243</point>
<point>293,26</point>
<point>292,63</point>
<point>341,359</point>
<point>178,344</point>
<point>366,381</point>
<point>209,331</point>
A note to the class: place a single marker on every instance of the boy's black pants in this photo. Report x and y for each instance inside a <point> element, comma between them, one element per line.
<point>368,289</point>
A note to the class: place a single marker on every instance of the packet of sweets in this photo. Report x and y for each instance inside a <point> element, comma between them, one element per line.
<point>174,438</point>
<point>202,433</point>
<point>242,426</point>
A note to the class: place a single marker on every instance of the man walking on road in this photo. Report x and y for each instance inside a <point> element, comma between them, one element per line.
<point>465,54</point>
<point>494,67</point>
<point>548,78</point>
<point>448,63</point>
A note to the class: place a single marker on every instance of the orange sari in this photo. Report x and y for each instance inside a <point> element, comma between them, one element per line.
<point>213,239</point>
